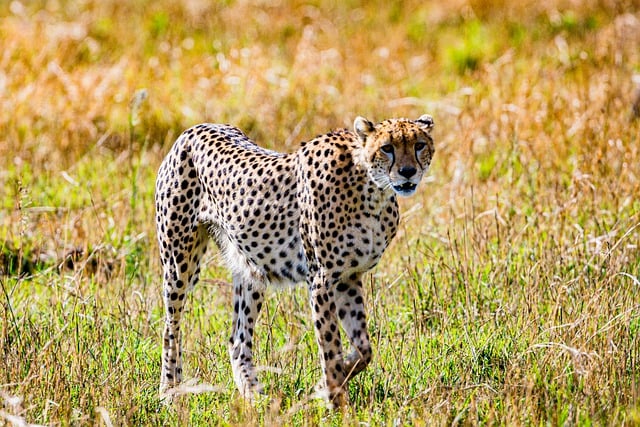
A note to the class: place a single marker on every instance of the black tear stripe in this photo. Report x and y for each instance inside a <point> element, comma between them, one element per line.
<point>415,153</point>
<point>418,160</point>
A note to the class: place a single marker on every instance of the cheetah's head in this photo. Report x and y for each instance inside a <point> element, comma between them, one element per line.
<point>396,152</point>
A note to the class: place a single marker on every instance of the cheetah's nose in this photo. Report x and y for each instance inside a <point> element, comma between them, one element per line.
<point>407,171</point>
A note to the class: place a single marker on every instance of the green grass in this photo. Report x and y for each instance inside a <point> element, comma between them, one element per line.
<point>509,297</point>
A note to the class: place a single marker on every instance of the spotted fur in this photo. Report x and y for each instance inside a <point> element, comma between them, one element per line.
<point>321,215</point>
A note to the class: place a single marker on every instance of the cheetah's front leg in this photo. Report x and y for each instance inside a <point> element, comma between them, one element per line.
<point>351,311</point>
<point>323,314</point>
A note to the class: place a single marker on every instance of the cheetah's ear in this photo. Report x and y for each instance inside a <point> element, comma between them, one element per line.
<point>426,123</point>
<point>363,127</point>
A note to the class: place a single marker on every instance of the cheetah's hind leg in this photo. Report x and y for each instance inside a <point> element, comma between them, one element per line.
<point>181,266</point>
<point>248,296</point>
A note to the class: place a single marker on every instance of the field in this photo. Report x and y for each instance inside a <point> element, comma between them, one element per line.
<point>511,295</point>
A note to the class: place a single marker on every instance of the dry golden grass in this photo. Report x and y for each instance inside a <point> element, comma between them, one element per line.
<point>509,297</point>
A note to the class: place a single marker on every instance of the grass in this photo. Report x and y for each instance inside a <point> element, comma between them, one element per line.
<point>510,295</point>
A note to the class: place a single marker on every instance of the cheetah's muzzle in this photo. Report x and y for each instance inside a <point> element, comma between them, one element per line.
<point>406,189</point>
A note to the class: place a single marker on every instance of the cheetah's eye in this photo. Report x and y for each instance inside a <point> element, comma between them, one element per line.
<point>420,146</point>
<point>387,148</point>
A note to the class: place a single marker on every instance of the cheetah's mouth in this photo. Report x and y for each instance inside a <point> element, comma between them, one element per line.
<point>406,189</point>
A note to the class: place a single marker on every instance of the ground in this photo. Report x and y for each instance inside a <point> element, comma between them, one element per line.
<point>509,294</point>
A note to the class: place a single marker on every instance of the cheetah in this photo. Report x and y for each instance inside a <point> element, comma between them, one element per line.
<point>322,215</point>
